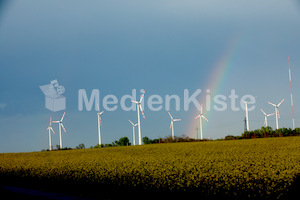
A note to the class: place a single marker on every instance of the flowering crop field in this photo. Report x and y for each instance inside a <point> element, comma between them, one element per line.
<point>267,168</point>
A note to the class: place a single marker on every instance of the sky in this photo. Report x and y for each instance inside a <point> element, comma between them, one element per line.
<point>163,47</point>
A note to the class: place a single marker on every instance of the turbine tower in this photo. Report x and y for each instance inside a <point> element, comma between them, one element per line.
<point>50,129</point>
<point>60,125</point>
<point>247,118</point>
<point>139,106</point>
<point>200,121</point>
<point>276,111</point>
<point>133,131</point>
<point>266,117</point>
<point>172,126</point>
<point>99,123</point>
<point>292,104</point>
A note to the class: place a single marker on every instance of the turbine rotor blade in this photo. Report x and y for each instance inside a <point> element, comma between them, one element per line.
<point>98,109</point>
<point>50,121</point>
<point>170,115</point>
<point>63,127</point>
<point>142,96</point>
<point>142,111</point>
<point>272,104</point>
<point>63,116</point>
<point>171,125</point>
<point>131,122</point>
<point>197,117</point>
<point>101,113</point>
<point>204,117</point>
<point>55,121</point>
<point>280,102</point>
<point>177,120</point>
<point>52,130</point>
<point>134,102</point>
<point>263,111</point>
<point>270,114</point>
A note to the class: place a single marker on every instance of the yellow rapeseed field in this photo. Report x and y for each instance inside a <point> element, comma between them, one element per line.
<point>253,168</point>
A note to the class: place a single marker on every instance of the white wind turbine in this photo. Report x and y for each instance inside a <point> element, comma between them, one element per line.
<point>60,125</point>
<point>99,123</point>
<point>172,126</point>
<point>50,129</point>
<point>139,106</point>
<point>277,111</point>
<point>247,119</point>
<point>133,131</point>
<point>200,121</point>
<point>266,117</point>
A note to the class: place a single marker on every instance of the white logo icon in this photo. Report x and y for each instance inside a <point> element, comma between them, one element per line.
<point>54,100</point>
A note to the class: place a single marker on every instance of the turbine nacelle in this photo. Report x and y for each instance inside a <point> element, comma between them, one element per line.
<point>139,103</point>
<point>200,120</point>
<point>276,107</point>
<point>171,124</point>
<point>266,116</point>
<point>60,125</point>
<point>276,111</point>
<point>139,106</point>
<point>133,123</point>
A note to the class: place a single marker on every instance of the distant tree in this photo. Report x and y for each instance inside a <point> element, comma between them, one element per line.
<point>267,131</point>
<point>156,140</point>
<point>98,146</point>
<point>124,141</point>
<point>278,132</point>
<point>80,146</point>
<point>146,140</point>
<point>246,135</point>
<point>257,134</point>
<point>116,143</point>
<point>169,139</point>
<point>57,147</point>
<point>230,137</point>
<point>297,131</point>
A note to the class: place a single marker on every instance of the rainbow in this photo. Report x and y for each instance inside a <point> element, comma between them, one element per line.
<point>216,81</point>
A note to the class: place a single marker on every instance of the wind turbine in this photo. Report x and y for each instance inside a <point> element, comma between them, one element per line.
<point>133,131</point>
<point>139,106</point>
<point>200,121</point>
<point>266,117</point>
<point>60,125</point>
<point>247,119</point>
<point>50,129</point>
<point>172,126</point>
<point>276,111</point>
<point>99,123</point>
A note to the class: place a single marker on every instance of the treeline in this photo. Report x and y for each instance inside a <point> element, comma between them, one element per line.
<point>124,141</point>
<point>169,139</point>
<point>265,132</point>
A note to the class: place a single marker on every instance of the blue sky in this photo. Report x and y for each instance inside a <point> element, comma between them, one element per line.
<point>163,47</point>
